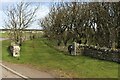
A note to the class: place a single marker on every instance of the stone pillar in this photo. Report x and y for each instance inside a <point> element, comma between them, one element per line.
<point>16,51</point>
<point>75,48</point>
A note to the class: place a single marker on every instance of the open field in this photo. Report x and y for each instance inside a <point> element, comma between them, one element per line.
<point>39,55</point>
<point>3,35</point>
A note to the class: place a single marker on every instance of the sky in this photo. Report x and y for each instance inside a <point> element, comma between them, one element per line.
<point>41,13</point>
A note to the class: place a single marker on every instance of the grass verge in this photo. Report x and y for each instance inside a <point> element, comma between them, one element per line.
<point>3,35</point>
<point>38,54</point>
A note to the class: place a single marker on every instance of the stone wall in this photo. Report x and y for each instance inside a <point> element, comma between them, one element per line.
<point>101,53</point>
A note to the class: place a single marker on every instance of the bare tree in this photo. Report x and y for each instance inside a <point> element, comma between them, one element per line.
<point>19,17</point>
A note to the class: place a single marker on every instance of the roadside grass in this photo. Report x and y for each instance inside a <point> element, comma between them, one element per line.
<point>39,55</point>
<point>3,35</point>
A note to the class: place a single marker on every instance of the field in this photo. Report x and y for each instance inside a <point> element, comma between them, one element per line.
<point>3,35</point>
<point>39,55</point>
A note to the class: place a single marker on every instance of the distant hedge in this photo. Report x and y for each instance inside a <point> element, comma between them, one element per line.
<point>102,53</point>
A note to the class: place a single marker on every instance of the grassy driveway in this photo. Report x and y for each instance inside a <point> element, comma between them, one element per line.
<point>39,55</point>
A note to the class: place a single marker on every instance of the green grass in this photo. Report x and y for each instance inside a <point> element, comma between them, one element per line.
<point>39,55</point>
<point>3,35</point>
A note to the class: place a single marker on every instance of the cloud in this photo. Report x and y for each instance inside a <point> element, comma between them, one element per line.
<point>40,14</point>
<point>9,1</point>
<point>36,0</point>
<point>42,11</point>
<point>1,19</point>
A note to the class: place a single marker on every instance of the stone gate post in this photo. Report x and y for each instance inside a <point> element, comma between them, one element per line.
<point>75,48</point>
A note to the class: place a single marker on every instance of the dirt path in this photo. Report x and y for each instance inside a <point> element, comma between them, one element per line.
<point>27,71</point>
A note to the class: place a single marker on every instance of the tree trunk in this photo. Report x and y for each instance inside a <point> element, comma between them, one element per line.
<point>113,38</point>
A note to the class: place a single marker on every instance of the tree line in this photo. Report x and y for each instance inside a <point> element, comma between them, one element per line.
<point>92,23</point>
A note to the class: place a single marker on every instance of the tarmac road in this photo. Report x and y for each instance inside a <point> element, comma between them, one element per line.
<point>26,70</point>
<point>8,74</point>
